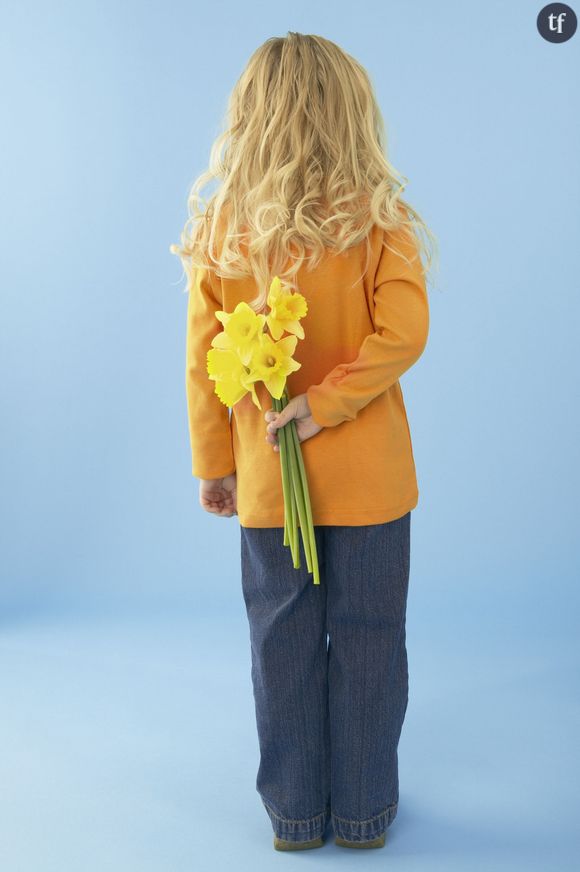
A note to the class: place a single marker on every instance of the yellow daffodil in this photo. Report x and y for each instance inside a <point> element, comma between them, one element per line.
<point>272,361</point>
<point>285,311</point>
<point>227,370</point>
<point>241,328</point>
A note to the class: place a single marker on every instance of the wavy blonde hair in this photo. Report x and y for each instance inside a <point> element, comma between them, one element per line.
<point>303,169</point>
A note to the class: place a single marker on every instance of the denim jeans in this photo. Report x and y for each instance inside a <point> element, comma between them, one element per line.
<point>329,676</point>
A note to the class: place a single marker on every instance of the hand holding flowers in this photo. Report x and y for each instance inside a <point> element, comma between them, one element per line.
<point>298,409</point>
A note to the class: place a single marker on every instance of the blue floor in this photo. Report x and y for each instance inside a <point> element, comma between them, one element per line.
<point>128,743</point>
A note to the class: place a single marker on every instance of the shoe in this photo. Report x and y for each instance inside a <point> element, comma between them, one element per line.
<point>379,842</point>
<point>286,845</point>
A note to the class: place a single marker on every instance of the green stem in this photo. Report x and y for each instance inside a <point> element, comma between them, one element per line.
<point>285,449</point>
<point>286,437</point>
<point>292,438</point>
<point>286,484</point>
<point>299,490</point>
<point>308,507</point>
<point>295,472</point>
<point>306,501</point>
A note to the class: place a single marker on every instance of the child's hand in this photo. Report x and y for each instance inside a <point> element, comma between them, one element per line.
<point>297,408</point>
<point>218,495</point>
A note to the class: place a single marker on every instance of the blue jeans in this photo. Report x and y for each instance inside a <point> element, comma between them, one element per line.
<point>329,676</point>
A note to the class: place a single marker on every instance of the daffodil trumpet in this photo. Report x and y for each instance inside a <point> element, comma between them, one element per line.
<point>244,353</point>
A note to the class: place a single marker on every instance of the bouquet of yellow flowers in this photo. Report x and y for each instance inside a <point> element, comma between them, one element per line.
<point>243,353</point>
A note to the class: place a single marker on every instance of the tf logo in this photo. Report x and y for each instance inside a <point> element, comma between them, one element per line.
<point>556,22</point>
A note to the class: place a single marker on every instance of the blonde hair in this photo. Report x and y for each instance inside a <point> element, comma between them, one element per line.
<point>304,169</point>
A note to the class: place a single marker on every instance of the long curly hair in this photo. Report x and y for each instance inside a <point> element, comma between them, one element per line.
<point>303,168</point>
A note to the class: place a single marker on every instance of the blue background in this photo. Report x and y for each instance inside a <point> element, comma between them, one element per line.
<point>127,723</point>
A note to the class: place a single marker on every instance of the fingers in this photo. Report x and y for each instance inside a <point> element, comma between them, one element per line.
<point>273,425</point>
<point>275,421</point>
<point>224,512</point>
<point>222,506</point>
<point>271,429</point>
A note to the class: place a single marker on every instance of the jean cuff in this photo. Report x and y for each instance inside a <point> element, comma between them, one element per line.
<point>364,830</point>
<point>298,830</point>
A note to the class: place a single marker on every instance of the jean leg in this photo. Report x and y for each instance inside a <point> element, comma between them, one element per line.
<point>287,618</point>
<point>368,573</point>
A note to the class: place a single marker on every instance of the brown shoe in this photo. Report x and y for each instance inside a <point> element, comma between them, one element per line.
<point>371,843</point>
<point>286,845</point>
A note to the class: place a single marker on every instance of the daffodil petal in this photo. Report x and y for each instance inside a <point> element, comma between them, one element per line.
<point>221,340</point>
<point>275,384</point>
<point>288,344</point>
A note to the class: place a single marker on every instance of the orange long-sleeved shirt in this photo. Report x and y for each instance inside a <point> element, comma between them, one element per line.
<point>363,330</point>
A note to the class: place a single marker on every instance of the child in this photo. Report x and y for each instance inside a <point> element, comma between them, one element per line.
<point>308,194</point>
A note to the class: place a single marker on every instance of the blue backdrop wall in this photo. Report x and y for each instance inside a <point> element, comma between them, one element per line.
<point>116,587</point>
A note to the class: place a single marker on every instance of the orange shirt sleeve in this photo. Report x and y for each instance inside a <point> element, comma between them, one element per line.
<point>209,424</point>
<point>401,319</point>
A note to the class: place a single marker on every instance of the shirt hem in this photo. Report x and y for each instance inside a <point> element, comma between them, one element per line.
<point>341,517</point>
